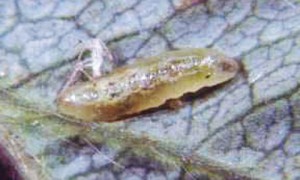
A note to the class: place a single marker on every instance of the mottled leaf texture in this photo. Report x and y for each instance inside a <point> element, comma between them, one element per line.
<point>248,128</point>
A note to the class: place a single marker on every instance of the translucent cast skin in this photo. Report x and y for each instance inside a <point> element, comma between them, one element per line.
<point>148,84</point>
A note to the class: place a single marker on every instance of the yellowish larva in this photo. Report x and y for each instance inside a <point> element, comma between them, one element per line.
<point>147,84</point>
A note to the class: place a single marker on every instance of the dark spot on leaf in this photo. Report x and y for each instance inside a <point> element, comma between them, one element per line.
<point>208,76</point>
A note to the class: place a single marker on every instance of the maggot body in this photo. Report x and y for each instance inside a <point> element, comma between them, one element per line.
<point>147,84</point>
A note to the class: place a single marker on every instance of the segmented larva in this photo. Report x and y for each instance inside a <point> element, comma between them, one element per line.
<point>147,84</point>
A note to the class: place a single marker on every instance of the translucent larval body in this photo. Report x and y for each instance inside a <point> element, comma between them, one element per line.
<point>147,84</point>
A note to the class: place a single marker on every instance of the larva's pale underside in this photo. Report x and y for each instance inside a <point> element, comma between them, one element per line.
<point>147,84</point>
